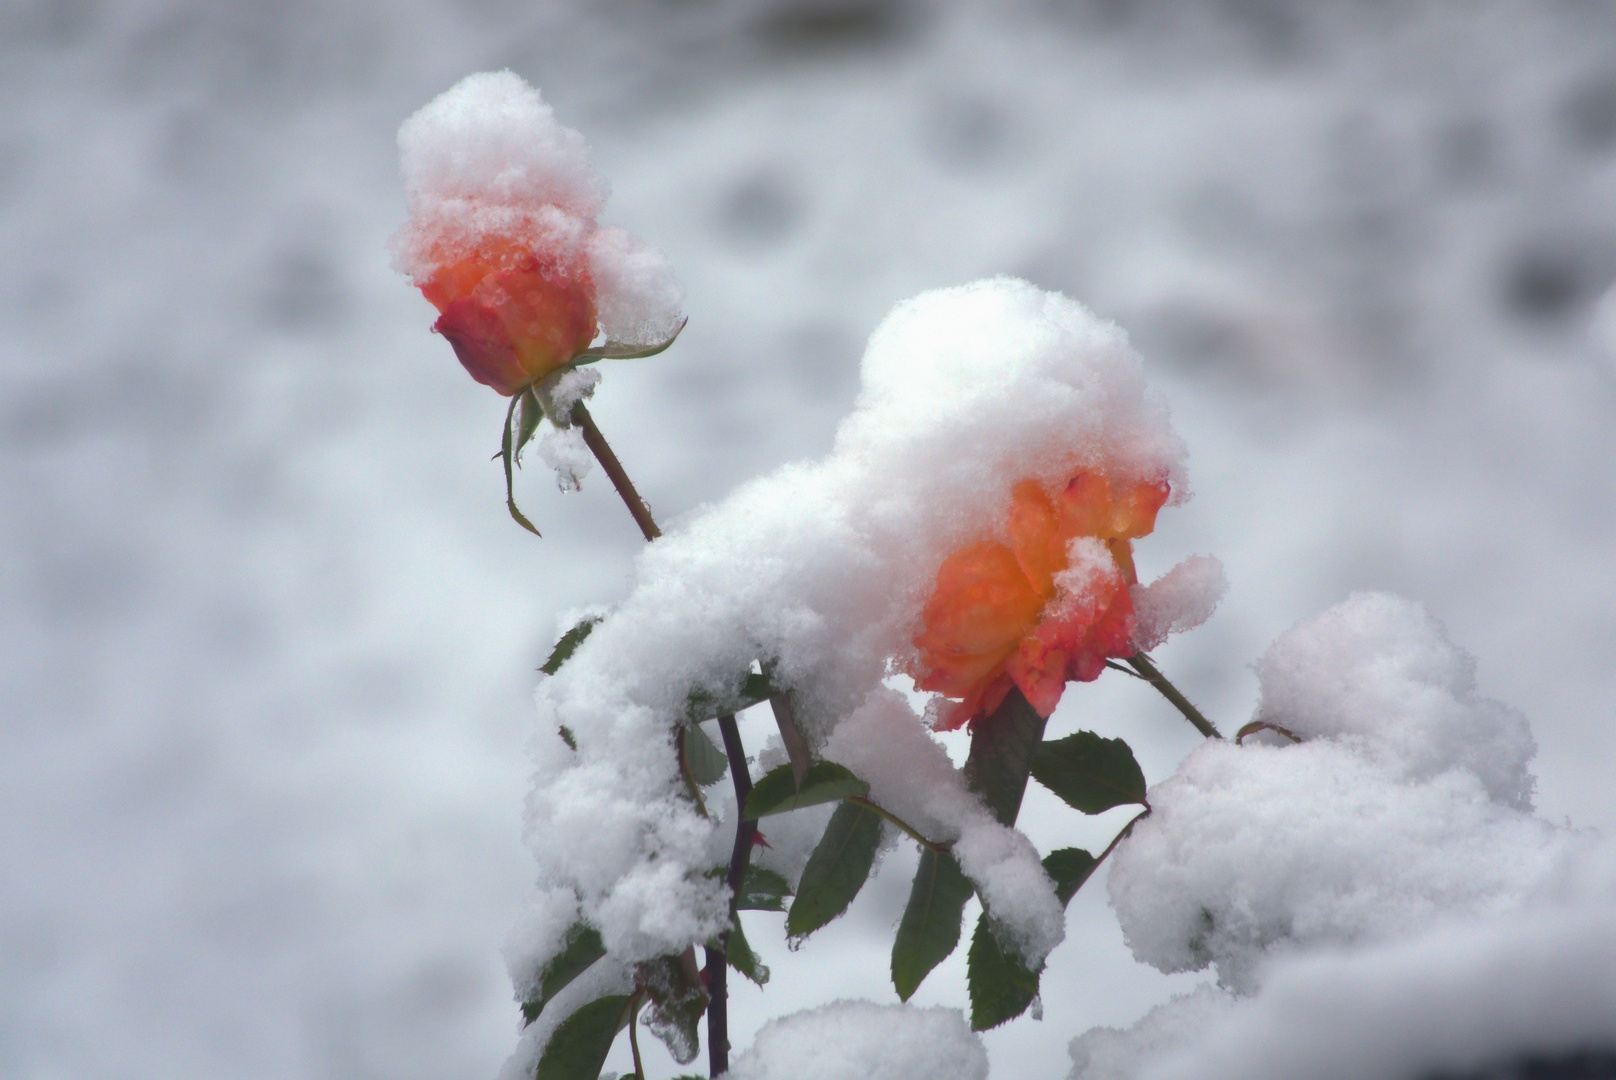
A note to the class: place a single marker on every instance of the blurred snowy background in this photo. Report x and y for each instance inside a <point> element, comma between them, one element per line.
<point>271,639</point>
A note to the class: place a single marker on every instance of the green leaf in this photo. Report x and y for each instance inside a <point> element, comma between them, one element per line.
<point>1002,748</point>
<point>582,948</point>
<point>678,1002</point>
<point>578,1048</point>
<point>741,957</point>
<point>1001,985</point>
<point>528,423</point>
<point>705,760</point>
<point>569,644</point>
<point>931,923</point>
<point>1070,867</point>
<point>617,350</point>
<point>762,890</point>
<point>1090,773</point>
<point>506,454</point>
<point>836,870</point>
<point>567,737</point>
<point>777,792</point>
<point>701,705</point>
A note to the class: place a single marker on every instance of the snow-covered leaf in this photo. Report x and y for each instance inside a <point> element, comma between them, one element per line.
<point>777,792</point>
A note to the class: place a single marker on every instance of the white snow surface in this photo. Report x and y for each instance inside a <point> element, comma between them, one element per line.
<point>1389,817</point>
<point>1378,672</point>
<point>822,568</point>
<point>487,158</point>
<point>860,1040</point>
<point>1179,600</point>
<point>1462,998</point>
<point>1108,1053</point>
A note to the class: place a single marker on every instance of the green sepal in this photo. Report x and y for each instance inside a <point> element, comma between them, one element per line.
<point>762,890</point>
<point>930,928</point>
<point>837,869</point>
<point>706,762</point>
<point>754,688</point>
<point>776,792</point>
<point>582,948</point>
<point>528,422</point>
<point>569,644</point>
<point>506,454</point>
<point>1090,773</point>
<point>578,1048</point>
<point>678,1002</point>
<point>1001,985</point>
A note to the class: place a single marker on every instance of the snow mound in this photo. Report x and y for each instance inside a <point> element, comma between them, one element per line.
<point>1403,807</point>
<point>860,1040</point>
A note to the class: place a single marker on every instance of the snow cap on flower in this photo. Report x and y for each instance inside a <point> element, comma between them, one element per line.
<point>502,237</point>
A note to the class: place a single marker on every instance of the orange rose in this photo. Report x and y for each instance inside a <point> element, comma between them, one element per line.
<point>513,316</point>
<point>1048,609</point>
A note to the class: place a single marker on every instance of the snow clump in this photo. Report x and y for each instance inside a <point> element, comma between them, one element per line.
<point>1523,993</point>
<point>860,1040</point>
<point>1405,804</point>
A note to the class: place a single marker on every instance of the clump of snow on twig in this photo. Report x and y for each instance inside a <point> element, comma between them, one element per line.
<point>909,773</point>
<point>1406,804</point>
<point>860,1040</point>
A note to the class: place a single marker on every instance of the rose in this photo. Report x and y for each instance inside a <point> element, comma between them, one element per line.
<point>1046,609</point>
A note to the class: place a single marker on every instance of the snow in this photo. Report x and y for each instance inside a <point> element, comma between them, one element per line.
<point>1467,997</point>
<point>1106,1053</point>
<point>1378,671</point>
<point>1403,806</point>
<point>860,1040</point>
<point>1179,600</point>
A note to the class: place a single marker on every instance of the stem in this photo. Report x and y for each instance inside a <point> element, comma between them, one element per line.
<point>614,469</point>
<point>913,833</point>
<point>634,1037</point>
<point>717,959</point>
<point>1148,671</point>
<point>1117,839</point>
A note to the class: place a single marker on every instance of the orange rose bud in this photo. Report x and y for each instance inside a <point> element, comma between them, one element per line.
<point>511,328</point>
<point>1046,610</point>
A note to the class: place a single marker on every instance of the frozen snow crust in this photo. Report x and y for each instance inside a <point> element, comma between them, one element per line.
<point>1407,802</point>
<point>487,161</point>
<point>822,568</point>
<point>859,1040</point>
